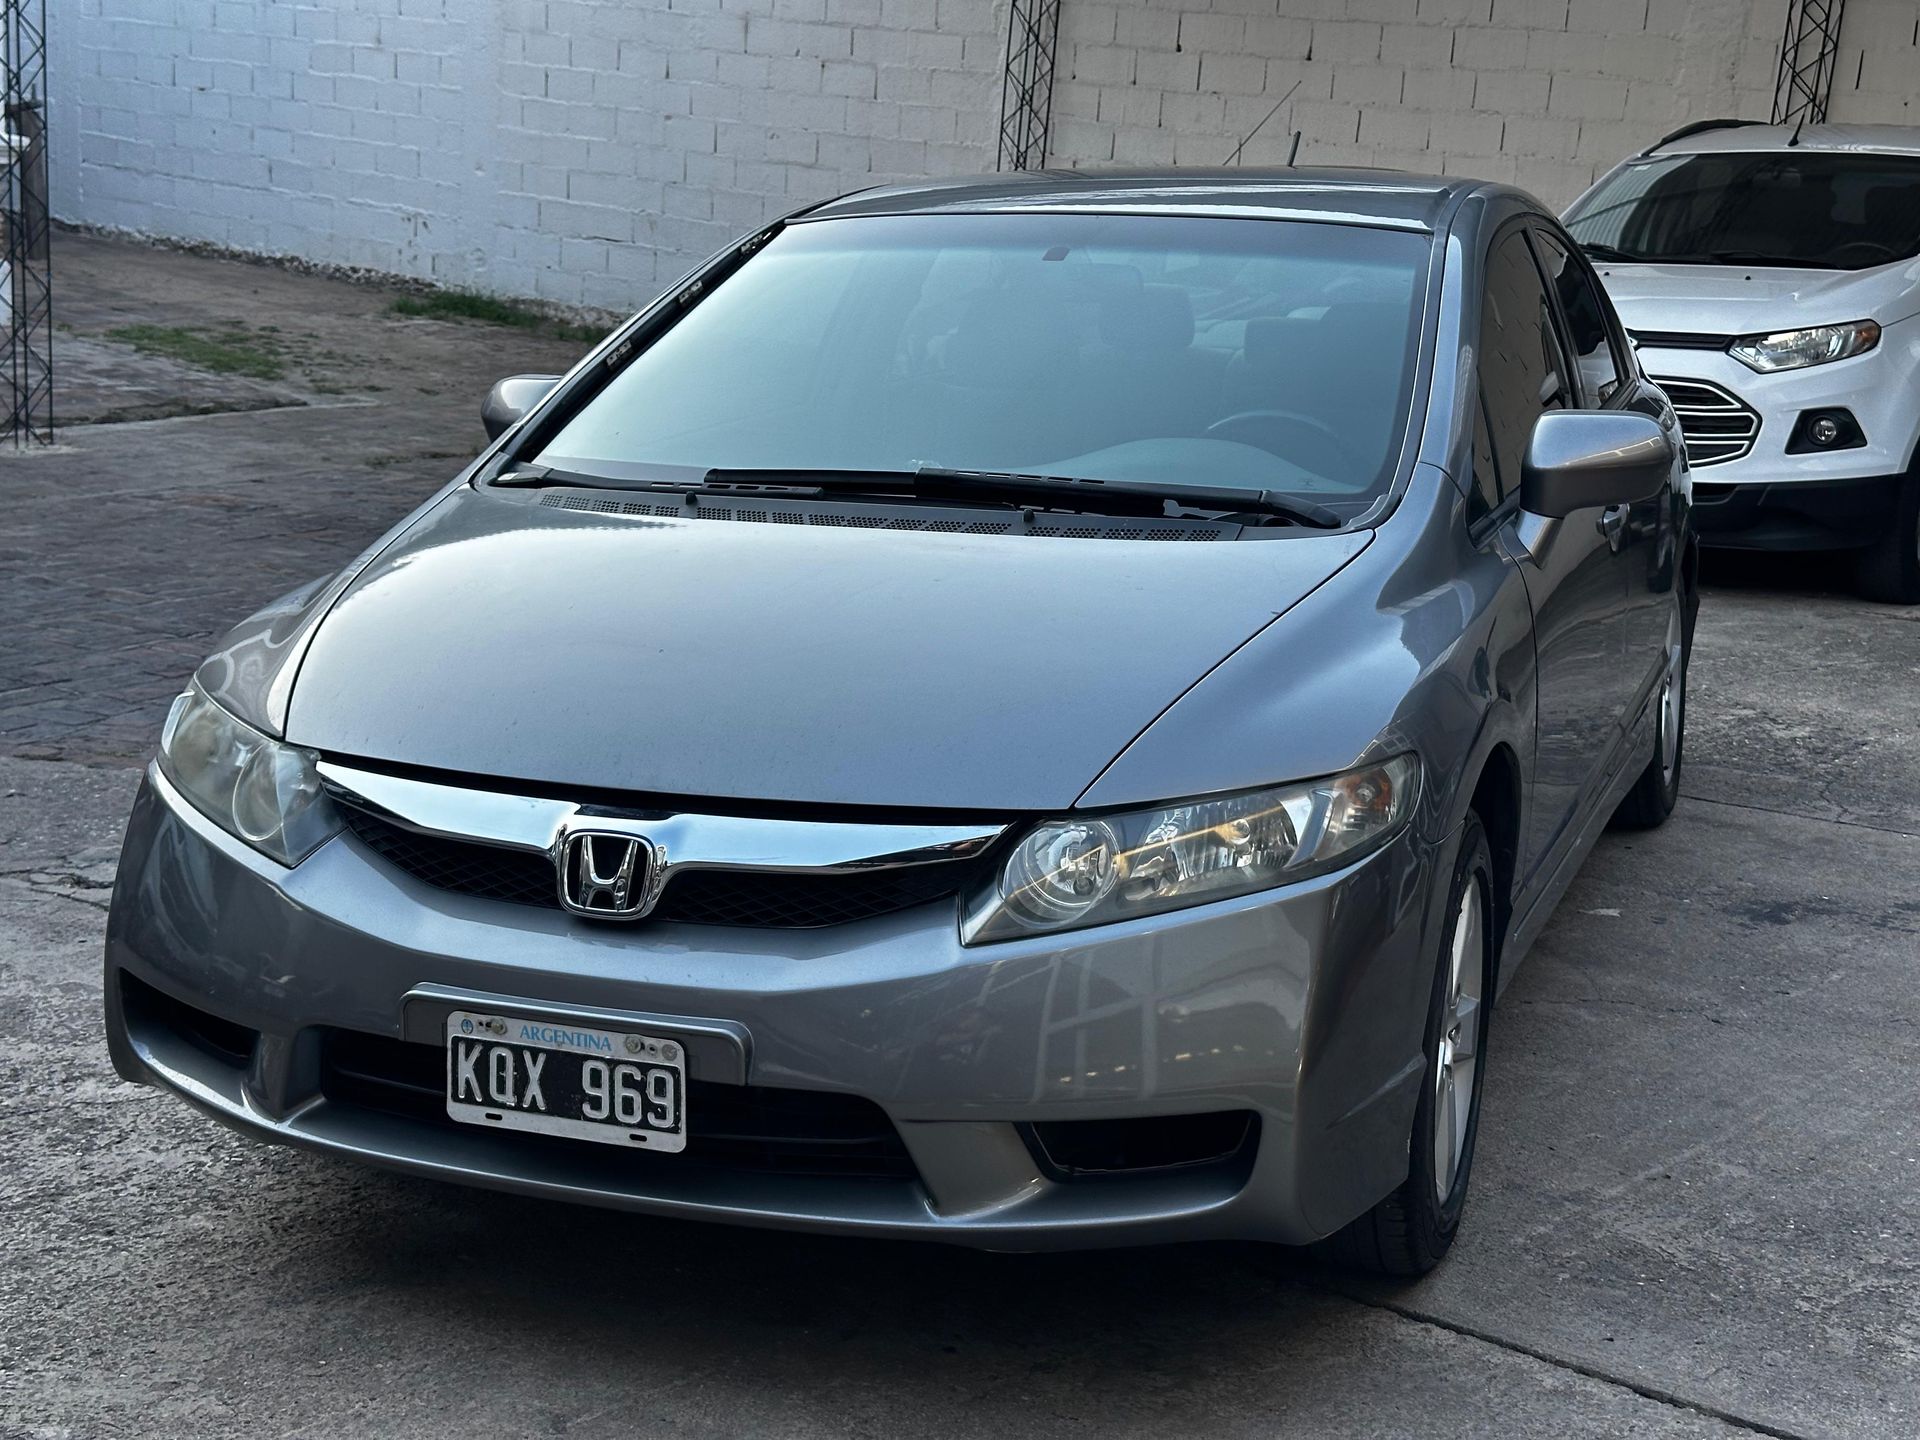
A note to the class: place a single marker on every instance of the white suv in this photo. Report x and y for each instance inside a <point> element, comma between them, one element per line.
<point>1770,279</point>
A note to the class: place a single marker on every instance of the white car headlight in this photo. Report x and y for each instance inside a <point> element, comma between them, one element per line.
<point>253,787</point>
<point>1079,871</point>
<point>1797,349</point>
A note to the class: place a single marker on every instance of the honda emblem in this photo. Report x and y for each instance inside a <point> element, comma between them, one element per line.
<point>604,874</point>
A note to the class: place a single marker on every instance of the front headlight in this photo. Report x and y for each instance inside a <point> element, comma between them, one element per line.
<point>1080,871</point>
<point>1797,349</point>
<point>265,793</point>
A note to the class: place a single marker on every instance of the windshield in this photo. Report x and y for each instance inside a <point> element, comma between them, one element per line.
<point>1815,208</point>
<point>1172,350</point>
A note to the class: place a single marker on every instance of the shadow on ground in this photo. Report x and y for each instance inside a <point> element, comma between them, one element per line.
<point>1782,577</point>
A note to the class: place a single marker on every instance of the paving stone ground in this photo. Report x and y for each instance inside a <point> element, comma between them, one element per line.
<point>1697,1196</point>
<point>134,543</point>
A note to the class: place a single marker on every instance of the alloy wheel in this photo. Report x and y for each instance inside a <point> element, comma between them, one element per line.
<point>1459,1050</point>
<point>1672,699</point>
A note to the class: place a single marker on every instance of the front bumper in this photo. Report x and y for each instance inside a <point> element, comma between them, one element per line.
<point>1878,389</point>
<point>1806,515</point>
<point>1771,498</point>
<point>1304,1006</point>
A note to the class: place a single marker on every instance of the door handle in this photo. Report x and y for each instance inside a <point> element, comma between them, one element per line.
<point>1613,524</point>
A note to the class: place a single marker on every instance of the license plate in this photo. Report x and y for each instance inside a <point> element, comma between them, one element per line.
<point>556,1078</point>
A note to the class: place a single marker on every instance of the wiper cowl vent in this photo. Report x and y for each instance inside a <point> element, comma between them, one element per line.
<point>863,515</point>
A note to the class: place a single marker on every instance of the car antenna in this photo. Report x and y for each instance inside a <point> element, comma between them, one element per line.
<point>1293,150</point>
<point>1233,157</point>
<point>1794,139</point>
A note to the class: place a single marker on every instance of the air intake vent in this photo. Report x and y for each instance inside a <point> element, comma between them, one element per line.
<point>923,519</point>
<point>1718,425</point>
<point>742,1129</point>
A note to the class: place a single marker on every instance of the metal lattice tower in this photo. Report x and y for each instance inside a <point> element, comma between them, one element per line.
<point>26,304</point>
<point>1807,53</point>
<point>1026,94</point>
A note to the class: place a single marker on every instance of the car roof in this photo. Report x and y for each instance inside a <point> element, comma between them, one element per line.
<point>1865,139</point>
<point>1355,197</point>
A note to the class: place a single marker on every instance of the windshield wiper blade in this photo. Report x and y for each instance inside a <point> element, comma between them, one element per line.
<point>1125,497</point>
<point>1600,250</point>
<point>1275,503</point>
<point>1761,257</point>
<point>783,480</point>
<point>1115,497</point>
<point>1146,494</point>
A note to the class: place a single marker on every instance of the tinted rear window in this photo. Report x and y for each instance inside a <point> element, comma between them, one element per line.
<point>1181,351</point>
<point>1801,207</point>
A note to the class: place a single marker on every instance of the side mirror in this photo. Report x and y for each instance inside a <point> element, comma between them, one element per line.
<point>510,400</point>
<point>1581,459</point>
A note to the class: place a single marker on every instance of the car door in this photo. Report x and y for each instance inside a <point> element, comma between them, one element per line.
<point>1575,577</point>
<point>1645,538</point>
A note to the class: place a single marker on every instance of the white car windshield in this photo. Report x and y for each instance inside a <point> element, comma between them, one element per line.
<point>1818,209</point>
<point>1182,351</point>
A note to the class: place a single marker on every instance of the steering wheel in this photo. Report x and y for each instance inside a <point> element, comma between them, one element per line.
<point>1308,442</point>
<point>1875,247</point>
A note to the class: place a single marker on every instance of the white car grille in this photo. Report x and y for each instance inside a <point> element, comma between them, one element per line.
<point>1718,425</point>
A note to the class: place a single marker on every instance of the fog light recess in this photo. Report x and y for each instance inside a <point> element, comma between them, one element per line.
<point>1820,430</point>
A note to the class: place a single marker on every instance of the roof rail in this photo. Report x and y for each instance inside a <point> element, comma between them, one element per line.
<point>1698,127</point>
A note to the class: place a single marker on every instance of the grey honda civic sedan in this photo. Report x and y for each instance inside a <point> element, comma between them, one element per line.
<point>1028,712</point>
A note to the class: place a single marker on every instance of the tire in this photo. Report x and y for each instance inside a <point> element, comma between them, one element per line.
<point>1889,571</point>
<point>1651,800</point>
<point>1410,1231</point>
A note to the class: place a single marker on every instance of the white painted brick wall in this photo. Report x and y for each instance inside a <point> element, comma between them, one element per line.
<point>583,151</point>
<point>589,151</point>
<point>1545,93</point>
<point>1877,72</point>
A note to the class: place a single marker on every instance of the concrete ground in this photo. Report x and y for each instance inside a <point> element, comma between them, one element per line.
<point>1696,1209</point>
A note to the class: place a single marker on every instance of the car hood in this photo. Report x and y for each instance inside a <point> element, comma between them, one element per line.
<point>1749,300</point>
<point>771,663</point>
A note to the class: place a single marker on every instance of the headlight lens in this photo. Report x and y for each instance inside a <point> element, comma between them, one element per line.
<point>1073,872</point>
<point>265,793</point>
<point>1797,349</point>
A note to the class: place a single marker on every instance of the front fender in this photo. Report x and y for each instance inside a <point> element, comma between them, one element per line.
<point>251,673</point>
<point>1422,642</point>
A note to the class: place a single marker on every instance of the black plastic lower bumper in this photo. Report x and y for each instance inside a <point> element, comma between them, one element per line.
<point>1807,515</point>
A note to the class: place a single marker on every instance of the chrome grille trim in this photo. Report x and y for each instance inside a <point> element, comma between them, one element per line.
<point>680,841</point>
<point>1718,425</point>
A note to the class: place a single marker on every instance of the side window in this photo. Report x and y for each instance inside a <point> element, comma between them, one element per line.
<point>1521,370</point>
<point>1594,359</point>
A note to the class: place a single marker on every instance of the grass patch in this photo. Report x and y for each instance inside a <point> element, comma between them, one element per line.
<point>491,310</point>
<point>225,352</point>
